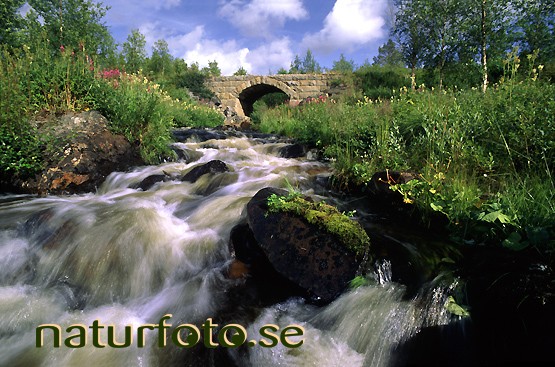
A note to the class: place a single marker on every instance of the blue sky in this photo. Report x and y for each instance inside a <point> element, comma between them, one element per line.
<point>259,35</point>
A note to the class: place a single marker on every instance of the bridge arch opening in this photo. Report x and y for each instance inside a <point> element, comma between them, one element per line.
<point>253,93</point>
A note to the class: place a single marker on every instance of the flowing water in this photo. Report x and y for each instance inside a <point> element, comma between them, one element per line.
<point>127,257</point>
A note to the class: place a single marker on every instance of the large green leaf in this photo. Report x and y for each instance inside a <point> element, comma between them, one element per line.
<point>495,215</point>
<point>514,242</point>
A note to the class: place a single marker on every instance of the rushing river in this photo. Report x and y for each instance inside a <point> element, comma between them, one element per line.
<point>127,257</point>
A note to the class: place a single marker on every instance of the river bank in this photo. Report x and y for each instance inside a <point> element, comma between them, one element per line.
<point>127,254</point>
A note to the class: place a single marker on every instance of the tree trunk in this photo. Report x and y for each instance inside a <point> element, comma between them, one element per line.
<point>484,54</point>
<point>413,73</point>
<point>61,26</point>
<point>442,60</point>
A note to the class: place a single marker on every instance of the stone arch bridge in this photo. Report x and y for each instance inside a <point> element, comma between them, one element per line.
<point>240,92</point>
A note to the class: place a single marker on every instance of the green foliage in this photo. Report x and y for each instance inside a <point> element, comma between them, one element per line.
<point>128,105</point>
<point>160,62</point>
<point>134,51</point>
<point>11,22</point>
<point>36,81</point>
<point>410,28</point>
<point>343,65</point>
<point>19,146</point>
<point>536,20</point>
<point>274,99</point>
<point>389,55</point>
<point>240,71</point>
<point>261,106</point>
<point>194,80</point>
<point>358,281</point>
<point>381,82</point>
<point>52,83</point>
<point>20,152</point>
<point>73,24</point>
<point>188,114</point>
<point>259,109</point>
<point>451,37</point>
<point>305,66</point>
<point>50,63</point>
<point>325,216</point>
<point>212,69</point>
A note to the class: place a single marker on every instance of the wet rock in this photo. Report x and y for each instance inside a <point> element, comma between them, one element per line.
<point>35,222</point>
<point>215,166</point>
<point>215,183</point>
<point>299,252</point>
<point>511,299</point>
<point>197,135</point>
<point>209,146</point>
<point>237,270</point>
<point>263,286</point>
<point>313,155</point>
<point>150,181</point>
<point>186,155</point>
<point>292,151</point>
<point>46,230</point>
<point>512,303</point>
<point>74,296</point>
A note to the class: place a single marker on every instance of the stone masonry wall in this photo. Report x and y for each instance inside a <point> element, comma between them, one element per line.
<point>297,86</point>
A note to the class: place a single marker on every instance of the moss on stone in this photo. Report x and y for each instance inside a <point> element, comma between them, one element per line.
<point>325,216</point>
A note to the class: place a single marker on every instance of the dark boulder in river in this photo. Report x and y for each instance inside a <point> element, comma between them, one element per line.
<point>150,181</point>
<point>214,166</point>
<point>301,253</point>
<point>293,151</point>
<point>186,155</point>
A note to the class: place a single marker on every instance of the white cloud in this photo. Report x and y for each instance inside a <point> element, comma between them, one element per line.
<point>195,46</point>
<point>178,44</point>
<point>182,42</point>
<point>350,24</point>
<point>272,56</point>
<point>258,17</point>
<point>229,55</point>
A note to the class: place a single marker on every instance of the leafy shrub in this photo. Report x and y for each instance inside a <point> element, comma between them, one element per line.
<point>379,81</point>
<point>187,114</point>
<point>194,81</point>
<point>19,145</point>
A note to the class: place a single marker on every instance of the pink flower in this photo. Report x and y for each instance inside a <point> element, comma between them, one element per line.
<point>111,74</point>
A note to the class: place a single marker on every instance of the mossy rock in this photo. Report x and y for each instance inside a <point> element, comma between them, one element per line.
<point>305,243</point>
<point>325,216</point>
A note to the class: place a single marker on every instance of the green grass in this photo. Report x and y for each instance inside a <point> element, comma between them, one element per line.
<point>486,160</point>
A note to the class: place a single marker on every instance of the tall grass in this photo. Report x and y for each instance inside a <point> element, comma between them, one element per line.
<point>485,160</point>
